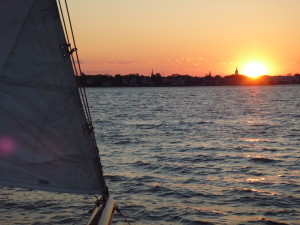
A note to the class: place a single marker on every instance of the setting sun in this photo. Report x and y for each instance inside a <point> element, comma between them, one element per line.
<point>254,69</point>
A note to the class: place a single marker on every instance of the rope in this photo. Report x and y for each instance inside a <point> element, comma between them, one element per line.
<point>98,202</point>
<point>88,127</point>
<point>119,211</point>
<point>79,66</point>
<point>72,58</point>
<point>77,69</point>
<point>64,22</point>
<point>80,83</point>
<point>85,215</point>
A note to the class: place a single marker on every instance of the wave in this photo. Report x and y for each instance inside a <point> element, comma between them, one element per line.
<point>262,160</point>
<point>267,221</point>
<point>283,212</point>
<point>196,222</point>
<point>249,190</point>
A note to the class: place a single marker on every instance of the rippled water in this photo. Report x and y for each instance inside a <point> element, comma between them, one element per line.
<point>186,155</point>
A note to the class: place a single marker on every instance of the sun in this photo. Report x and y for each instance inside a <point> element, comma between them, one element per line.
<point>254,69</point>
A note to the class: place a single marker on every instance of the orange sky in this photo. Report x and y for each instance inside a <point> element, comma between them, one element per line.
<point>186,36</point>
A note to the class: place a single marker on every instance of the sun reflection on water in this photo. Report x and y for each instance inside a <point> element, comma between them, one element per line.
<point>256,180</point>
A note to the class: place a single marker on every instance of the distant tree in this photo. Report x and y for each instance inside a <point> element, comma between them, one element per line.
<point>156,78</point>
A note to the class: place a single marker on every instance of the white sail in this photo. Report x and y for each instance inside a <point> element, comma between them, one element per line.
<point>43,144</point>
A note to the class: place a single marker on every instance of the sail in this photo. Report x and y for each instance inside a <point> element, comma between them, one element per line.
<point>43,141</point>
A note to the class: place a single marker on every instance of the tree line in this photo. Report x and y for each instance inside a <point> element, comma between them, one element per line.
<point>136,80</point>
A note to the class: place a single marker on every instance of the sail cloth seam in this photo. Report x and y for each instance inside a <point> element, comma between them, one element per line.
<point>38,34</point>
<point>34,84</point>
<point>15,40</point>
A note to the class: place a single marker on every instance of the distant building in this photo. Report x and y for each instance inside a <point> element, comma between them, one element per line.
<point>209,74</point>
<point>236,71</point>
<point>152,74</point>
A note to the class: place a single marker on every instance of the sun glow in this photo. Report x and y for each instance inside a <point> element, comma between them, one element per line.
<point>254,69</point>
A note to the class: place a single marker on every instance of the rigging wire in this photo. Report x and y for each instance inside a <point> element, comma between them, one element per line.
<point>77,68</point>
<point>68,46</point>
<point>121,213</point>
<point>81,218</point>
<point>78,63</point>
<point>88,127</point>
<point>80,83</point>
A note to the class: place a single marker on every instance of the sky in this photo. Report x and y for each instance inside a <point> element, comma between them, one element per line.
<point>192,37</point>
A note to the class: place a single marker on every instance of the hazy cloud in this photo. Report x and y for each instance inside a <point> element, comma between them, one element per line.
<point>192,60</point>
<point>106,62</point>
<point>87,62</point>
<point>121,62</point>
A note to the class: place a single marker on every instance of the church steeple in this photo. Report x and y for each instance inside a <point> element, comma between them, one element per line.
<point>236,71</point>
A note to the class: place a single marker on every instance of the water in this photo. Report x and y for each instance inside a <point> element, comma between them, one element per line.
<point>186,155</point>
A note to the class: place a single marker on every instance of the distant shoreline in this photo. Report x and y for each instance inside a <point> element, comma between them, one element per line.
<point>176,80</point>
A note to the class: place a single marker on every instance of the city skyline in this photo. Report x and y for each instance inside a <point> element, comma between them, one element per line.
<point>186,37</point>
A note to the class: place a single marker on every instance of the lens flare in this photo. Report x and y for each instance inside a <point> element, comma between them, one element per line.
<point>7,146</point>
